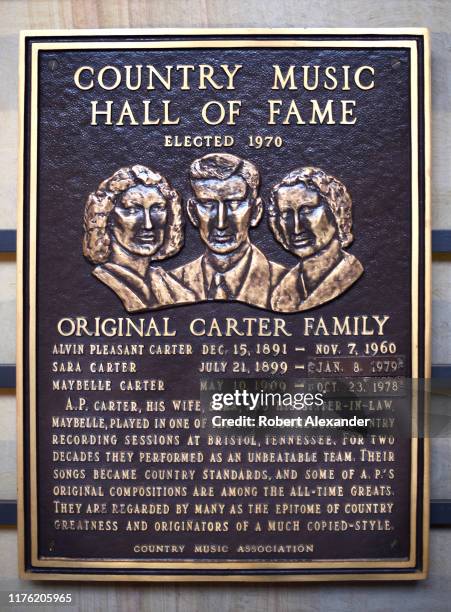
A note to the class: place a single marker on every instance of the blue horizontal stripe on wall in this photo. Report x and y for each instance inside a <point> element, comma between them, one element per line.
<point>441,241</point>
<point>7,241</point>
<point>8,512</point>
<point>440,513</point>
<point>441,371</point>
<point>8,374</point>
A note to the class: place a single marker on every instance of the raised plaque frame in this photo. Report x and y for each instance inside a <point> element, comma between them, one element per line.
<point>31,567</point>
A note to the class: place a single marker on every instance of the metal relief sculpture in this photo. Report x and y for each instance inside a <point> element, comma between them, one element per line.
<point>158,443</point>
<point>310,215</point>
<point>135,217</point>
<point>225,207</point>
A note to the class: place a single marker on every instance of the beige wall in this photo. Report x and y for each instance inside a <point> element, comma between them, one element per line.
<point>434,594</point>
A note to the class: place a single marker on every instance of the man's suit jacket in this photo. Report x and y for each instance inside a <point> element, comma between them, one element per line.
<point>260,278</point>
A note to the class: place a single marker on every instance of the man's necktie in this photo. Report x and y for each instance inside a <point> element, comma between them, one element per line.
<point>301,287</point>
<point>220,287</point>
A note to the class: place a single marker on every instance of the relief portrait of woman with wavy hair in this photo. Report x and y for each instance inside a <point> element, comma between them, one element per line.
<point>310,215</point>
<point>133,219</point>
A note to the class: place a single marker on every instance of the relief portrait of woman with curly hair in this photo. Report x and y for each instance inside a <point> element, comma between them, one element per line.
<point>132,219</point>
<point>310,214</point>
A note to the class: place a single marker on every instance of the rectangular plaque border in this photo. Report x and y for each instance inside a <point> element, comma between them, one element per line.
<point>416,566</point>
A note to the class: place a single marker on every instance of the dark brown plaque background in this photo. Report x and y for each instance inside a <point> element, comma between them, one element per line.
<point>67,158</point>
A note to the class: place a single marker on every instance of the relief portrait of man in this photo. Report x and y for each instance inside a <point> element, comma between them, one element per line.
<point>133,219</point>
<point>225,207</point>
<point>310,214</point>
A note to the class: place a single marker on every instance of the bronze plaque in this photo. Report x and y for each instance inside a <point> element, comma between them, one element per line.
<point>224,267</point>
